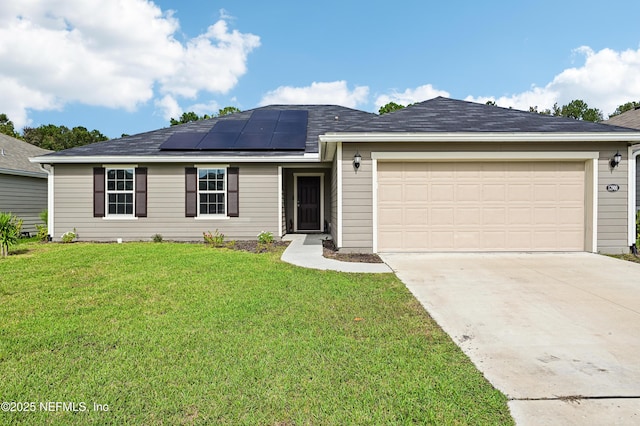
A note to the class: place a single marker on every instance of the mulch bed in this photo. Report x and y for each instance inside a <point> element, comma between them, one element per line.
<point>329,251</point>
<point>253,246</point>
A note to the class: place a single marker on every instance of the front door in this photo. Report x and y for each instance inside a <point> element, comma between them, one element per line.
<point>309,203</point>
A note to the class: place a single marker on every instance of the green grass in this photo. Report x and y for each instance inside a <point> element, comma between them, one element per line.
<point>182,334</point>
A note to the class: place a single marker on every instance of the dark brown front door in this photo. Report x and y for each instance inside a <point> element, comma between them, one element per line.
<point>309,203</point>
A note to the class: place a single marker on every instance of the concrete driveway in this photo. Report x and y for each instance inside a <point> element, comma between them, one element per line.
<point>558,333</point>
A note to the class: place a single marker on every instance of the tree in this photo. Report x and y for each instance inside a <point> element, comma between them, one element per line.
<point>57,138</point>
<point>6,127</point>
<point>390,107</point>
<point>188,117</point>
<point>10,227</point>
<point>543,112</point>
<point>621,108</point>
<point>491,103</point>
<point>228,110</point>
<point>579,110</point>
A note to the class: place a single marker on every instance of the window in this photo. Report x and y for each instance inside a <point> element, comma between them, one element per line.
<point>212,192</point>
<point>120,191</point>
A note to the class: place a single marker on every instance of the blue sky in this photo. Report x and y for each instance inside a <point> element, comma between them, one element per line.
<point>127,66</point>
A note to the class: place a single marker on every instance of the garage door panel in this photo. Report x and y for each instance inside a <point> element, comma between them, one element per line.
<point>468,192</point>
<point>390,216</point>
<point>494,192</point>
<point>416,217</point>
<point>466,216</point>
<point>441,192</point>
<point>481,206</point>
<point>494,216</point>
<point>415,192</point>
<point>441,216</point>
<point>519,191</point>
<point>520,216</point>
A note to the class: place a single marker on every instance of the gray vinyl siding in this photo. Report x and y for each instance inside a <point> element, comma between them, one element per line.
<point>25,197</point>
<point>357,202</point>
<point>258,197</point>
<point>357,215</point>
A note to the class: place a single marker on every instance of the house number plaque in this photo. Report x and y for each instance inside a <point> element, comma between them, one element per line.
<point>613,187</point>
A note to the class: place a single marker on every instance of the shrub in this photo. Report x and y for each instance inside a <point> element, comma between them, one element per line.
<point>265,237</point>
<point>215,240</point>
<point>157,238</point>
<point>43,230</point>
<point>10,227</point>
<point>69,236</point>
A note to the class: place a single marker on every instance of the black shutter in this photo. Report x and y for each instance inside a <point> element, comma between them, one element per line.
<point>232,192</point>
<point>98,192</point>
<point>191,191</point>
<point>141,192</point>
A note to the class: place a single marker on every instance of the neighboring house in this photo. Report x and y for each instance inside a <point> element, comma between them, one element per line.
<point>23,185</point>
<point>441,175</point>
<point>630,119</point>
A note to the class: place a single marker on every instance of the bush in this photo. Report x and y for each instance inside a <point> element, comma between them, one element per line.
<point>215,240</point>
<point>69,236</point>
<point>43,230</point>
<point>265,237</point>
<point>157,238</point>
<point>10,227</point>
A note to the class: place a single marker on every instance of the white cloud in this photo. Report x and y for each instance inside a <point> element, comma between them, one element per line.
<point>410,96</point>
<point>112,53</point>
<point>209,108</point>
<point>606,79</point>
<point>169,107</point>
<point>333,93</point>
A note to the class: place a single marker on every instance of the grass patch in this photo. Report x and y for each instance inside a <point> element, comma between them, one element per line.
<point>627,256</point>
<point>180,334</point>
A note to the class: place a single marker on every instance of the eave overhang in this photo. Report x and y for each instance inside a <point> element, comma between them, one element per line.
<point>482,137</point>
<point>122,159</point>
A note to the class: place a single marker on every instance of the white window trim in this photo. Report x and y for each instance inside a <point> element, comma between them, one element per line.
<point>116,216</point>
<point>216,216</point>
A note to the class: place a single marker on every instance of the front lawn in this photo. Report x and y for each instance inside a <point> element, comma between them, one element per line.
<point>183,334</point>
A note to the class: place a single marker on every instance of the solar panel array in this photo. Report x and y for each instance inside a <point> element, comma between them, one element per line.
<point>276,130</point>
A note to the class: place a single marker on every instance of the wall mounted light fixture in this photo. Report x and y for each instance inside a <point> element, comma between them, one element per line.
<point>615,161</point>
<point>357,159</point>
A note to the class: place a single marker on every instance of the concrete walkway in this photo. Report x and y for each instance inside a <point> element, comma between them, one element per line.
<point>306,250</point>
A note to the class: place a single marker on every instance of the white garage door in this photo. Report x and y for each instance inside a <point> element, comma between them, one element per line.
<point>481,206</point>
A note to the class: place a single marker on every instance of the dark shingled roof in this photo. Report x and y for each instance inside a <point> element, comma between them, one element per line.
<point>630,119</point>
<point>435,115</point>
<point>321,119</point>
<point>451,115</point>
<point>14,156</point>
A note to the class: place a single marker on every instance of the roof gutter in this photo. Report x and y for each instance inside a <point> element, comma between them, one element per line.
<point>481,137</point>
<point>23,173</point>
<point>307,158</point>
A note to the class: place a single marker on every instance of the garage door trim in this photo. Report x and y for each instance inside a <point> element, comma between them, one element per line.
<point>591,190</point>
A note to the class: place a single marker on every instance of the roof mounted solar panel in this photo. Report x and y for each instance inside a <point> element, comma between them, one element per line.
<point>184,141</point>
<point>260,126</point>
<point>219,140</point>
<point>229,126</point>
<point>253,141</point>
<point>267,129</point>
<point>294,115</point>
<point>289,141</point>
<point>265,114</point>
<point>291,127</point>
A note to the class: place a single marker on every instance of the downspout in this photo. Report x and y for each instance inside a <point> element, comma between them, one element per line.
<point>50,204</point>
